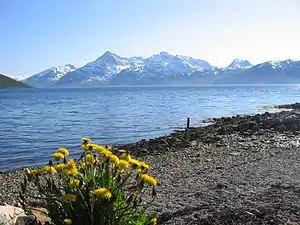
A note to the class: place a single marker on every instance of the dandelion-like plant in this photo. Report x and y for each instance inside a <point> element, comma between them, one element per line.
<point>104,187</point>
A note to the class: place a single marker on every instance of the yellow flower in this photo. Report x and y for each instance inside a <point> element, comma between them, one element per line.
<point>122,151</point>
<point>36,171</point>
<point>139,171</point>
<point>83,147</point>
<point>123,164</point>
<point>106,153</point>
<point>144,165</point>
<point>27,171</point>
<point>60,167</point>
<point>100,148</point>
<point>86,140</point>
<point>58,156</point>
<point>63,151</point>
<point>74,183</point>
<point>126,157</point>
<point>90,158</point>
<point>70,168</point>
<point>114,159</point>
<point>68,221</point>
<point>49,169</point>
<point>135,162</point>
<point>153,221</point>
<point>88,147</point>
<point>68,197</point>
<point>148,179</point>
<point>92,146</point>
<point>102,193</point>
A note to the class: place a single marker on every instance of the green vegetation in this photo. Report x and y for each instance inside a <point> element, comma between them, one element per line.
<point>7,82</point>
<point>105,186</point>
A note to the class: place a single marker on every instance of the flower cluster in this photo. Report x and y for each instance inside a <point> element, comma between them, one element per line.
<point>104,186</point>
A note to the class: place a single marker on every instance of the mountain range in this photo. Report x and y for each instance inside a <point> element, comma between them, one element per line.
<point>165,69</point>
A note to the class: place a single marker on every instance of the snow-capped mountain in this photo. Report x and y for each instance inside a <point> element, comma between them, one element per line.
<point>277,65</point>
<point>50,76</point>
<point>165,63</point>
<point>111,68</point>
<point>239,64</point>
<point>161,68</point>
<point>164,68</point>
<point>272,72</point>
<point>214,74</point>
<point>101,70</point>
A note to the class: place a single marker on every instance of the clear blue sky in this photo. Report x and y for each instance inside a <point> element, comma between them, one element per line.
<point>38,34</point>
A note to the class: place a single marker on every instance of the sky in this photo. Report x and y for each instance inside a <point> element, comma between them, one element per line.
<point>36,35</point>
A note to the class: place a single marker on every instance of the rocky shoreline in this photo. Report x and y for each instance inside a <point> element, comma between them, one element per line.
<point>239,170</point>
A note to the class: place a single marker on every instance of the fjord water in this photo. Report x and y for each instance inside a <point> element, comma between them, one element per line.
<point>35,122</point>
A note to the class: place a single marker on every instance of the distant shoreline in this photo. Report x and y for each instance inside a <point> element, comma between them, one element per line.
<point>162,85</point>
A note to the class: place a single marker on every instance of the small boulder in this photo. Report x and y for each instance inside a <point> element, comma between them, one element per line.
<point>144,151</point>
<point>9,214</point>
<point>41,215</point>
<point>26,220</point>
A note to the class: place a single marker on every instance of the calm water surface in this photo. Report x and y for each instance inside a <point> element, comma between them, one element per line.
<point>35,122</point>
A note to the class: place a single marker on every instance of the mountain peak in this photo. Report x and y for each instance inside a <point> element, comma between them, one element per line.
<point>64,69</point>
<point>108,56</point>
<point>70,66</point>
<point>107,53</point>
<point>163,53</point>
<point>239,63</point>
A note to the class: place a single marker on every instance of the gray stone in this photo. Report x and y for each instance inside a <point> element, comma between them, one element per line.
<point>26,220</point>
<point>234,153</point>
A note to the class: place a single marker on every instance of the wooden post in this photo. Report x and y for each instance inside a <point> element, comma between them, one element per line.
<point>188,123</point>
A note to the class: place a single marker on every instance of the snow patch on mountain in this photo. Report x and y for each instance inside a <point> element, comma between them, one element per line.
<point>164,64</point>
<point>277,65</point>
<point>170,64</point>
<point>49,76</point>
<point>239,64</point>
